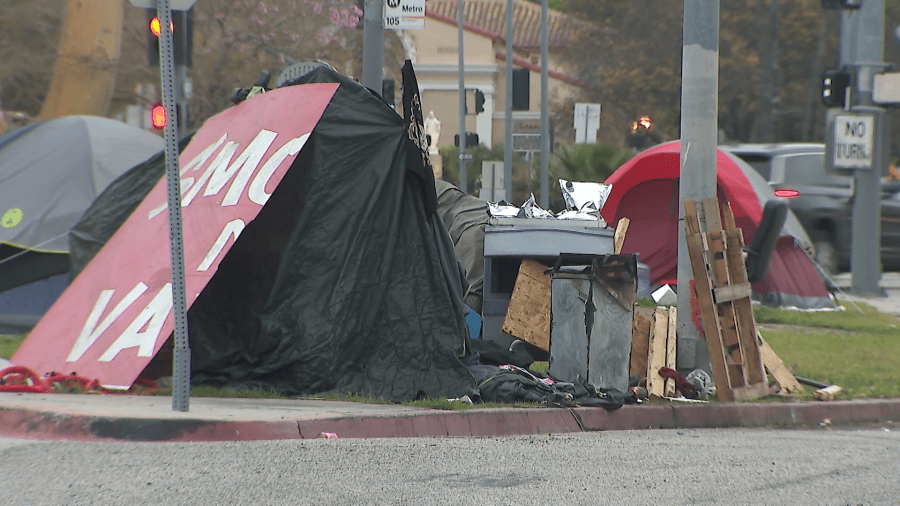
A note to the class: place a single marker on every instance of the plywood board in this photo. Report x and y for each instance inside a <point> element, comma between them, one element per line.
<point>528,312</point>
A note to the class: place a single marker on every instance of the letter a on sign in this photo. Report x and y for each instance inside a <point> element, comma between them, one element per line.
<point>117,313</point>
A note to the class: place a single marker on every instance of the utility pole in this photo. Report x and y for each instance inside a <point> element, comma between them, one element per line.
<point>508,139</point>
<point>373,45</point>
<point>545,120</point>
<point>699,142</point>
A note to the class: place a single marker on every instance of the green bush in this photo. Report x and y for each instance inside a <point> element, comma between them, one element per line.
<point>587,162</point>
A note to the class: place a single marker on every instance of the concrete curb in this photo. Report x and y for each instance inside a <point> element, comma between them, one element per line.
<point>26,423</point>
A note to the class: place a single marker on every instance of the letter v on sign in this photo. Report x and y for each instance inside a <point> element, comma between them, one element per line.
<point>117,313</point>
<point>92,331</point>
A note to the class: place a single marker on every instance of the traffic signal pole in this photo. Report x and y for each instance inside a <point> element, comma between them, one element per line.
<point>862,50</point>
<point>373,45</point>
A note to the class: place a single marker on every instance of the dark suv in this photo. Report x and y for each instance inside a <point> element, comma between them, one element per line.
<point>825,203</point>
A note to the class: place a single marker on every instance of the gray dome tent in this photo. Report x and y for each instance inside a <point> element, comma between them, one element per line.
<point>50,173</point>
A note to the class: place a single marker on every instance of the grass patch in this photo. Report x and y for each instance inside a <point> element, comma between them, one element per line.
<point>869,321</point>
<point>864,365</point>
<point>858,352</point>
<point>9,345</point>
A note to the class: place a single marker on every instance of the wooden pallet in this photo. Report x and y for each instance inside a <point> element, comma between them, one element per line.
<point>723,293</point>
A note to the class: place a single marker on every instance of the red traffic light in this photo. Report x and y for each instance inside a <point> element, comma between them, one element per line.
<point>155,26</point>
<point>158,116</point>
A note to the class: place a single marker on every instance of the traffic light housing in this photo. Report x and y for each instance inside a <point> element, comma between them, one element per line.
<point>387,91</point>
<point>479,101</point>
<point>841,4</point>
<point>834,87</point>
<point>472,139</point>
<point>521,89</point>
<point>182,37</point>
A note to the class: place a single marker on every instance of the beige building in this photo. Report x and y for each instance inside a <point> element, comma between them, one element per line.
<point>436,62</point>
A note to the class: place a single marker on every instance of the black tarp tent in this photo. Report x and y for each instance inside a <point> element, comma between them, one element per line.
<point>346,281</point>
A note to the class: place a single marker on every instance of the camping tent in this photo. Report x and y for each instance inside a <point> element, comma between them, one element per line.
<point>645,190</point>
<point>465,217</point>
<point>315,260</point>
<point>50,172</point>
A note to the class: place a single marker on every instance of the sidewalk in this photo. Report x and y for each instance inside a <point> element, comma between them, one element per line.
<point>889,283</point>
<point>150,418</point>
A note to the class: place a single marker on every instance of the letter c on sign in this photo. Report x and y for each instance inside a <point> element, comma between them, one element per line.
<point>257,191</point>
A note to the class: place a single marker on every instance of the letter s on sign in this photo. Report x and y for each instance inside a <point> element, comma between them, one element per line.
<point>257,190</point>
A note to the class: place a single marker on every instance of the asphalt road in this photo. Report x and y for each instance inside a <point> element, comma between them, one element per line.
<point>672,467</point>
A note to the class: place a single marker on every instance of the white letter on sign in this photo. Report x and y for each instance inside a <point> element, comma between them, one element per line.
<point>188,181</point>
<point>257,191</point>
<point>91,332</point>
<point>153,317</point>
<point>231,228</point>
<point>247,162</point>
<point>219,165</point>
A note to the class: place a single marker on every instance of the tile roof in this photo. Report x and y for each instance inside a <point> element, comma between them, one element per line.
<point>489,18</point>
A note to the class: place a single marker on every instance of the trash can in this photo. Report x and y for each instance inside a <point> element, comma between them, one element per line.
<point>507,241</point>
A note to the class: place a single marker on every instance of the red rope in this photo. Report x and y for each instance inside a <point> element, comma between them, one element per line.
<point>23,379</point>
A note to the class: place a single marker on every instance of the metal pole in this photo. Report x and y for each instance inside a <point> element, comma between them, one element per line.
<point>463,173</point>
<point>545,120</point>
<point>507,146</point>
<point>181,361</point>
<point>866,54</point>
<point>373,45</point>
<point>699,137</point>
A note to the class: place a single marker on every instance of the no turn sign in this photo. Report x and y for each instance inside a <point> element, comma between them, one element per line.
<point>854,141</point>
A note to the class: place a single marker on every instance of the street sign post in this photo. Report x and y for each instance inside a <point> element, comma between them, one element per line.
<point>181,361</point>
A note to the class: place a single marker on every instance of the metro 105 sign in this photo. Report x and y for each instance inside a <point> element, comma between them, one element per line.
<point>404,14</point>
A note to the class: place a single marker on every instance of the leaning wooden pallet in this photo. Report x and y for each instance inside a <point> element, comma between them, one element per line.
<point>723,294</point>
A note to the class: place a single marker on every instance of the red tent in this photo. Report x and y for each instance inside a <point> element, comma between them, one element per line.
<point>645,190</point>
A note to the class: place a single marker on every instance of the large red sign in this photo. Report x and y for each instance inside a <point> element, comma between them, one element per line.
<point>117,313</point>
